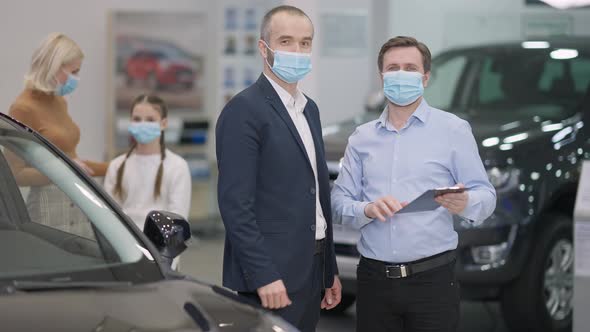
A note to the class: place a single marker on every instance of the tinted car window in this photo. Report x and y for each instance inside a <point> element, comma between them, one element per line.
<point>444,79</point>
<point>52,221</point>
<point>489,84</point>
<point>565,78</point>
<point>580,69</point>
<point>513,81</point>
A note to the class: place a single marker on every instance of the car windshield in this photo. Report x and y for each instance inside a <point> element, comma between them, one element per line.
<point>511,81</point>
<point>53,224</point>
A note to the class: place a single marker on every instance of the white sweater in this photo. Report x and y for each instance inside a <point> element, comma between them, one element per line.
<point>139,180</point>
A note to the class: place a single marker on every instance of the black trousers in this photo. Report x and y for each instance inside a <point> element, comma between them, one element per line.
<point>304,311</point>
<point>427,301</point>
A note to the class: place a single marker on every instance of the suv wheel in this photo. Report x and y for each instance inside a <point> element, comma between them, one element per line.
<point>541,299</point>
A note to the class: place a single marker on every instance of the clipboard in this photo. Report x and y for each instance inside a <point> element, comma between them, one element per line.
<point>426,202</point>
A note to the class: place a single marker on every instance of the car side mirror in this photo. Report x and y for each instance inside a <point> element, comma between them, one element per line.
<point>169,232</point>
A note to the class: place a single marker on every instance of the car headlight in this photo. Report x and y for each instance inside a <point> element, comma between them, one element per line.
<point>503,179</point>
<point>489,254</point>
<point>492,255</point>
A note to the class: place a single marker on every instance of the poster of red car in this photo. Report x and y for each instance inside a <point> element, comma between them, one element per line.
<point>161,53</point>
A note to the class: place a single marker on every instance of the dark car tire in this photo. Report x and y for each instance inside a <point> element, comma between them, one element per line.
<point>524,301</point>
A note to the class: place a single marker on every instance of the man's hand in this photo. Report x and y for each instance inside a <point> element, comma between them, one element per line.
<point>383,208</point>
<point>274,295</point>
<point>333,295</point>
<point>455,203</point>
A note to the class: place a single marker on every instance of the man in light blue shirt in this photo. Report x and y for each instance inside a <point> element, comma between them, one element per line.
<point>391,161</point>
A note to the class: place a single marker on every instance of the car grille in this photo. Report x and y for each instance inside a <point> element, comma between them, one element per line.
<point>346,250</point>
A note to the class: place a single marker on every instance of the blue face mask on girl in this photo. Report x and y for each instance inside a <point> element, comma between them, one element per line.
<point>402,87</point>
<point>290,67</point>
<point>68,87</point>
<point>145,132</point>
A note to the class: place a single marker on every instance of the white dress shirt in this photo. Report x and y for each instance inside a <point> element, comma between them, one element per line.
<point>295,106</point>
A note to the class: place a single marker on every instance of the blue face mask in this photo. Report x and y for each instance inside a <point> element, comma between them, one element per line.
<point>68,87</point>
<point>290,67</point>
<point>145,132</point>
<point>402,87</point>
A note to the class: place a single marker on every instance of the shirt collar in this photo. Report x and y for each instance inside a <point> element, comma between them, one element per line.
<point>421,113</point>
<point>299,101</point>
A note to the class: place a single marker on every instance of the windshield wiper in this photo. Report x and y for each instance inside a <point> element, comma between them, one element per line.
<point>31,285</point>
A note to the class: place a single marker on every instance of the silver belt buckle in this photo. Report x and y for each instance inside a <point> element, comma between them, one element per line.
<point>403,271</point>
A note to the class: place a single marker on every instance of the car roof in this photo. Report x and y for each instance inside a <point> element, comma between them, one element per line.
<point>8,122</point>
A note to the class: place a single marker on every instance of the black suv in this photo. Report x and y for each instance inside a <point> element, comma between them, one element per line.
<point>528,104</point>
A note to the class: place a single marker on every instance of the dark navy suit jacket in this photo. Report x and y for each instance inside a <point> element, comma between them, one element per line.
<point>267,190</point>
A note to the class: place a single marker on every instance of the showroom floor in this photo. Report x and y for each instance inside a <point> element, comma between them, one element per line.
<point>203,259</point>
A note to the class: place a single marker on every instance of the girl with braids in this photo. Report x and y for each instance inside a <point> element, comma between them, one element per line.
<point>149,176</point>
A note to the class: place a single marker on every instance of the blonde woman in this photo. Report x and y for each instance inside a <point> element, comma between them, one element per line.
<point>54,70</point>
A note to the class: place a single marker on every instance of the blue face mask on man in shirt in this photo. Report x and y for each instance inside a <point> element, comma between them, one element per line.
<point>402,87</point>
<point>68,87</point>
<point>290,67</point>
<point>145,132</point>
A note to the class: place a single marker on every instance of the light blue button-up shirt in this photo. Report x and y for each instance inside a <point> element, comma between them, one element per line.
<point>434,149</point>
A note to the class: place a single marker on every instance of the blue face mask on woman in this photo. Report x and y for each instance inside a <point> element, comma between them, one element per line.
<point>402,87</point>
<point>68,87</point>
<point>145,132</point>
<point>290,67</point>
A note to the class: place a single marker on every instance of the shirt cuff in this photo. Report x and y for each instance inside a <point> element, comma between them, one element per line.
<point>469,221</point>
<point>359,212</point>
<point>472,211</point>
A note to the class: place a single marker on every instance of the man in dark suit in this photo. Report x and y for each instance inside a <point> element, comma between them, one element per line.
<point>274,193</point>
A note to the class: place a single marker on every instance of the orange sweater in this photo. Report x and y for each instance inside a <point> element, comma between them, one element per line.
<point>48,115</point>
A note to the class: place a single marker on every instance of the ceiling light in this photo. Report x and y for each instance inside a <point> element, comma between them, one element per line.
<point>516,138</point>
<point>564,54</point>
<point>490,141</point>
<point>535,44</point>
<point>564,4</point>
<point>552,127</point>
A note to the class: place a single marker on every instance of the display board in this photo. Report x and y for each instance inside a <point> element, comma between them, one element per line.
<point>162,53</point>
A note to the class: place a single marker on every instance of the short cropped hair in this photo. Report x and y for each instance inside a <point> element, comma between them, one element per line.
<point>403,41</point>
<point>265,26</point>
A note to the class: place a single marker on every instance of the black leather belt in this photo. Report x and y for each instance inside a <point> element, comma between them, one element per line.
<point>320,246</point>
<point>397,271</point>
